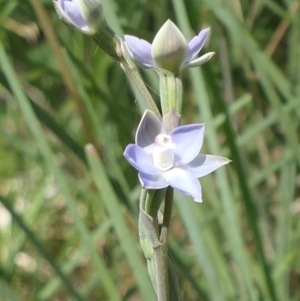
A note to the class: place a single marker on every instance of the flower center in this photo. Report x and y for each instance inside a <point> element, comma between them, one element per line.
<point>163,154</point>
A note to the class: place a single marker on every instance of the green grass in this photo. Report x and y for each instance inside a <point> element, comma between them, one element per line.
<point>68,219</point>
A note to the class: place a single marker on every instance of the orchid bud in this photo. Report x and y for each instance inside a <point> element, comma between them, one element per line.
<point>84,15</point>
<point>169,48</point>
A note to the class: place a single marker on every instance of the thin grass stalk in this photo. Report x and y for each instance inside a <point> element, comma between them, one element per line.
<point>287,189</point>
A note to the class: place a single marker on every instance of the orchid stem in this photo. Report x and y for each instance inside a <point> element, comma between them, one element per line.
<point>108,42</point>
<point>170,86</point>
<point>168,207</point>
<point>161,264</point>
<point>131,70</point>
<point>162,259</point>
<point>115,48</point>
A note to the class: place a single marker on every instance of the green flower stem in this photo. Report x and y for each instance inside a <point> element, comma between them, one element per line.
<point>107,41</point>
<point>114,46</point>
<point>131,70</point>
<point>153,234</point>
<point>168,208</point>
<point>174,291</point>
<point>143,198</point>
<point>161,266</point>
<point>161,255</point>
<point>170,92</point>
<point>153,201</point>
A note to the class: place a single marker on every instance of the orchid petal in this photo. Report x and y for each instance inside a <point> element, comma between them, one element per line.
<point>199,61</point>
<point>140,50</point>
<point>150,126</point>
<point>152,181</point>
<point>205,164</point>
<point>185,182</point>
<point>72,10</point>
<point>196,44</point>
<point>139,159</point>
<point>59,7</point>
<point>188,140</point>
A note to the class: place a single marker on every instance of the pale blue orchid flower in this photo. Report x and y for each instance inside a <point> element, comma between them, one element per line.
<point>171,159</point>
<point>169,49</point>
<point>84,15</point>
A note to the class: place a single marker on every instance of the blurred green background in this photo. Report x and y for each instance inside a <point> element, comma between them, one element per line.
<point>68,229</point>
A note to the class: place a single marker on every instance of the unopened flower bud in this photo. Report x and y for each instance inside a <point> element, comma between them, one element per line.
<point>169,48</point>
